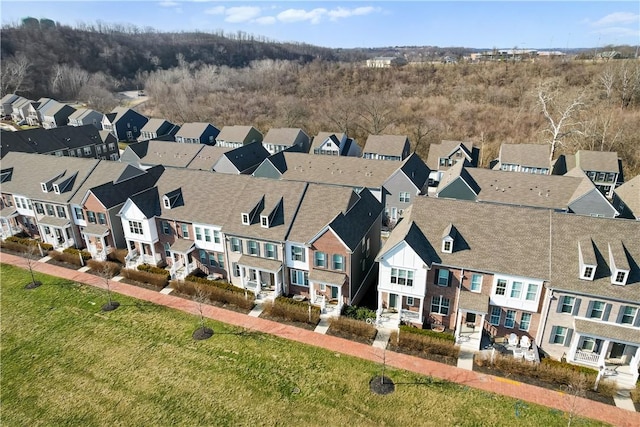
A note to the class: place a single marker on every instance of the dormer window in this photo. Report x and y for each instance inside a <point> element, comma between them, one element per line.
<point>447,238</point>
<point>245,219</point>
<point>447,246</point>
<point>264,221</point>
<point>618,263</point>
<point>167,202</point>
<point>587,259</point>
<point>44,187</point>
<point>56,189</point>
<point>619,277</point>
<point>588,272</point>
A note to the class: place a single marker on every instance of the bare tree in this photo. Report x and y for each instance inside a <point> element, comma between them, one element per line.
<point>13,74</point>
<point>607,79</point>
<point>200,298</point>
<point>629,78</point>
<point>31,254</point>
<point>575,390</point>
<point>375,114</point>
<point>559,115</point>
<point>107,272</point>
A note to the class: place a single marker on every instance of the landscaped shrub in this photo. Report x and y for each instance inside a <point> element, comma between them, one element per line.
<point>117,255</point>
<point>29,242</point>
<point>359,313</point>
<point>425,344</point>
<point>635,394</point>
<point>353,327</point>
<point>112,268</point>
<point>153,269</point>
<point>607,387</point>
<point>428,333</point>
<point>217,283</point>
<point>564,365</point>
<point>157,280</point>
<point>13,246</point>
<point>292,310</point>
<point>65,257</point>
<point>213,292</point>
<point>73,251</point>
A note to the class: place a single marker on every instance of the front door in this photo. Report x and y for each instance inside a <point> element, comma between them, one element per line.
<point>394,214</point>
<point>334,292</point>
<point>392,300</point>
<point>617,350</point>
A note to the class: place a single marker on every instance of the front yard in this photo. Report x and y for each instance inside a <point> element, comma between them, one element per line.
<point>65,362</point>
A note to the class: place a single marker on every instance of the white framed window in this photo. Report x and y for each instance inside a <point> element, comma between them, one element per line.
<point>496,313</point>
<point>216,236</point>
<point>135,227</point>
<point>102,218</point>
<point>320,259</point>
<point>236,269</point>
<point>338,262</point>
<point>185,231</point>
<point>253,248</point>
<point>443,277</point>
<point>628,315</point>
<point>91,217</point>
<point>588,344</point>
<point>297,253</point>
<point>198,232</point>
<point>207,234</point>
<point>501,287</point>
<point>61,212</point>
<point>299,278</point>
<point>166,229</point>
<point>532,292</point>
<point>400,276</point>
<point>510,319</point>
<point>50,210</point>
<point>270,250</point>
<point>405,197</point>
<point>516,289</point>
<point>559,335</point>
<point>476,282</point>
<point>567,304</point>
<point>264,221</point>
<point>620,277</point>
<point>525,321</point>
<point>167,249</point>
<point>78,212</point>
<point>245,219</point>
<point>447,246</point>
<point>597,310</point>
<point>220,258</point>
<point>236,245</point>
<point>440,305</point>
<point>410,301</point>
<point>588,272</point>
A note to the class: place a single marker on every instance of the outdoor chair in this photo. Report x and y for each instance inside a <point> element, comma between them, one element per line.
<point>525,342</point>
<point>513,340</point>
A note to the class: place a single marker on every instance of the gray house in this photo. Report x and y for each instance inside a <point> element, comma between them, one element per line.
<point>626,199</point>
<point>334,144</point>
<point>241,160</point>
<point>237,136</point>
<point>280,139</point>
<point>20,109</point>
<point>602,167</point>
<point>527,158</point>
<point>386,147</point>
<point>6,104</point>
<point>446,154</point>
<point>86,116</point>
<point>56,114</point>
<point>573,193</point>
<point>197,133</point>
<point>157,128</point>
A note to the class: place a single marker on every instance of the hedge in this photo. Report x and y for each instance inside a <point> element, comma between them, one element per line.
<point>428,333</point>
<point>117,255</point>
<point>29,242</point>
<point>359,313</point>
<point>425,344</point>
<point>66,257</point>
<point>213,292</point>
<point>153,269</point>
<point>157,280</point>
<point>112,268</point>
<point>217,283</point>
<point>353,326</point>
<point>73,251</point>
<point>292,310</point>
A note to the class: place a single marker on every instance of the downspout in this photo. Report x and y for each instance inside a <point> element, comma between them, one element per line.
<point>458,300</point>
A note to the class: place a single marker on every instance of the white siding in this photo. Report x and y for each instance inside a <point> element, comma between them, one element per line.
<point>403,256</point>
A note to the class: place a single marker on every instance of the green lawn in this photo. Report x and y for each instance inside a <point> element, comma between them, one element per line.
<point>64,362</point>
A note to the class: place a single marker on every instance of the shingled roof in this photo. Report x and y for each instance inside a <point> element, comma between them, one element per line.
<point>386,145</point>
<point>531,155</point>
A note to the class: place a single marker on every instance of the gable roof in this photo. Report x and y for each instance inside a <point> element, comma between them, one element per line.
<point>154,125</point>
<point>207,157</point>
<point>282,136</point>
<point>386,145</point>
<point>82,113</point>
<point>246,156</point>
<point>416,170</point>
<point>195,130</point>
<point>599,161</point>
<point>532,155</point>
<point>407,231</point>
<point>321,137</point>
<point>445,149</point>
<point>148,202</point>
<point>240,134</point>
<point>168,153</point>
<point>629,192</point>
<point>352,225</point>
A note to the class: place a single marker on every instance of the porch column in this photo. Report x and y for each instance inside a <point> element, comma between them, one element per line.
<point>312,293</point>
<point>574,346</point>
<point>278,282</point>
<point>104,246</point>
<point>339,297</point>
<point>86,241</point>
<point>421,310</point>
<point>153,252</point>
<point>481,324</point>
<point>603,352</point>
<point>380,301</point>
<point>243,272</point>
<point>458,324</point>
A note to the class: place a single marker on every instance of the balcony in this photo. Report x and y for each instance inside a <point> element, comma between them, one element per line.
<point>587,357</point>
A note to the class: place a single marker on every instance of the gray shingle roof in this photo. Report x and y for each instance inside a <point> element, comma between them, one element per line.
<point>472,301</point>
<point>444,149</point>
<point>153,125</point>
<point>629,192</point>
<point>193,130</point>
<point>282,136</point>
<point>207,157</point>
<point>387,145</point>
<point>532,155</point>
<point>238,133</point>
<point>599,161</point>
<point>323,136</point>
<point>168,153</point>
<point>610,331</point>
<point>352,225</point>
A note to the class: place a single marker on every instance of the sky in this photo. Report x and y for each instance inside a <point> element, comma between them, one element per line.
<point>478,24</point>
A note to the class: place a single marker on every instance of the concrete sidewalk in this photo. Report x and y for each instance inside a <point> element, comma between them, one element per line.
<point>553,399</point>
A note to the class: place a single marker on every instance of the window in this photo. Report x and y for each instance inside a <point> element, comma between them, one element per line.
<point>112,146</point>
<point>597,310</point>
<point>338,262</point>
<point>566,305</point>
<point>220,260</point>
<point>87,151</point>
<point>525,321</point>
<point>185,231</point>
<point>40,209</point>
<point>91,217</point>
<point>588,344</point>
<point>270,250</point>
<point>297,253</point>
<point>29,204</point>
<point>621,276</point>
<point>47,230</point>
<point>405,197</point>
<point>516,289</point>
<point>299,278</point>
<point>252,248</point>
<point>102,218</point>
<point>167,249</point>
<point>50,210</point>
<point>165,228</point>
<point>440,305</point>
<point>628,315</point>
<point>559,335</point>
<point>216,236</point>
<point>368,247</point>
<point>532,292</point>
<point>501,287</point>
<point>588,272</point>
<point>61,212</point>
<point>510,319</point>
<point>410,301</point>
<point>264,221</point>
<point>78,212</point>
<point>495,316</point>
<point>444,161</point>
<point>198,232</point>
<point>212,260</point>
<point>236,245</point>
<point>236,269</point>
<point>320,259</point>
<point>114,157</point>
<point>403,277</point>
<point>245,219</point>
<point>443,278</point>
<point>135,227</point>
<point>476,282</point>
<point>446,246</point>
<point>207,235</point>
<point>203,256</point>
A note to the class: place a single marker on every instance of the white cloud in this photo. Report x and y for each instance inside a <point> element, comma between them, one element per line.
<point>297,15</point>
<point>169,3</point>
<point>218,10</point>
<point>618,32</point>
<point>617,18</point>
<point>266,20</point>
<point>342,12</point>
<point>242,13</point>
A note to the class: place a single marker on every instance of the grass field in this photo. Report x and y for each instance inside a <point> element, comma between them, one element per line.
<point>64,362</point>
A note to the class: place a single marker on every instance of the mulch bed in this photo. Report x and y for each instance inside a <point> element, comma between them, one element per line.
<point>202,333</point>
<point>218,304</point>
<point>139,284</point>
<point>64,264</point>
<point>589,394</point>
<point>434,357</point>
<point>351,337</point>
<point>381,385</point>
<point>302,325</point>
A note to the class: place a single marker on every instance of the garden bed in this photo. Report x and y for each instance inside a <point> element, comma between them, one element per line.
<point>302,325</point>
<point>447,360</point>
<point>351,337</point>
<point>230,307</point>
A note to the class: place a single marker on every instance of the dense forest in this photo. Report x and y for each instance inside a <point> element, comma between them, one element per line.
<point>565,102</point>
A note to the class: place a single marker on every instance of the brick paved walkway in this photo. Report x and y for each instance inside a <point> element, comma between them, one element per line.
<point>526,392</point>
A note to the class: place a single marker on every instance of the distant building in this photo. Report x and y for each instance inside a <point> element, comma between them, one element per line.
<point>385,62</point>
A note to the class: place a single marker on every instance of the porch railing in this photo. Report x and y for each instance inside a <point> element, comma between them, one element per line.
<point>586,357</point>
